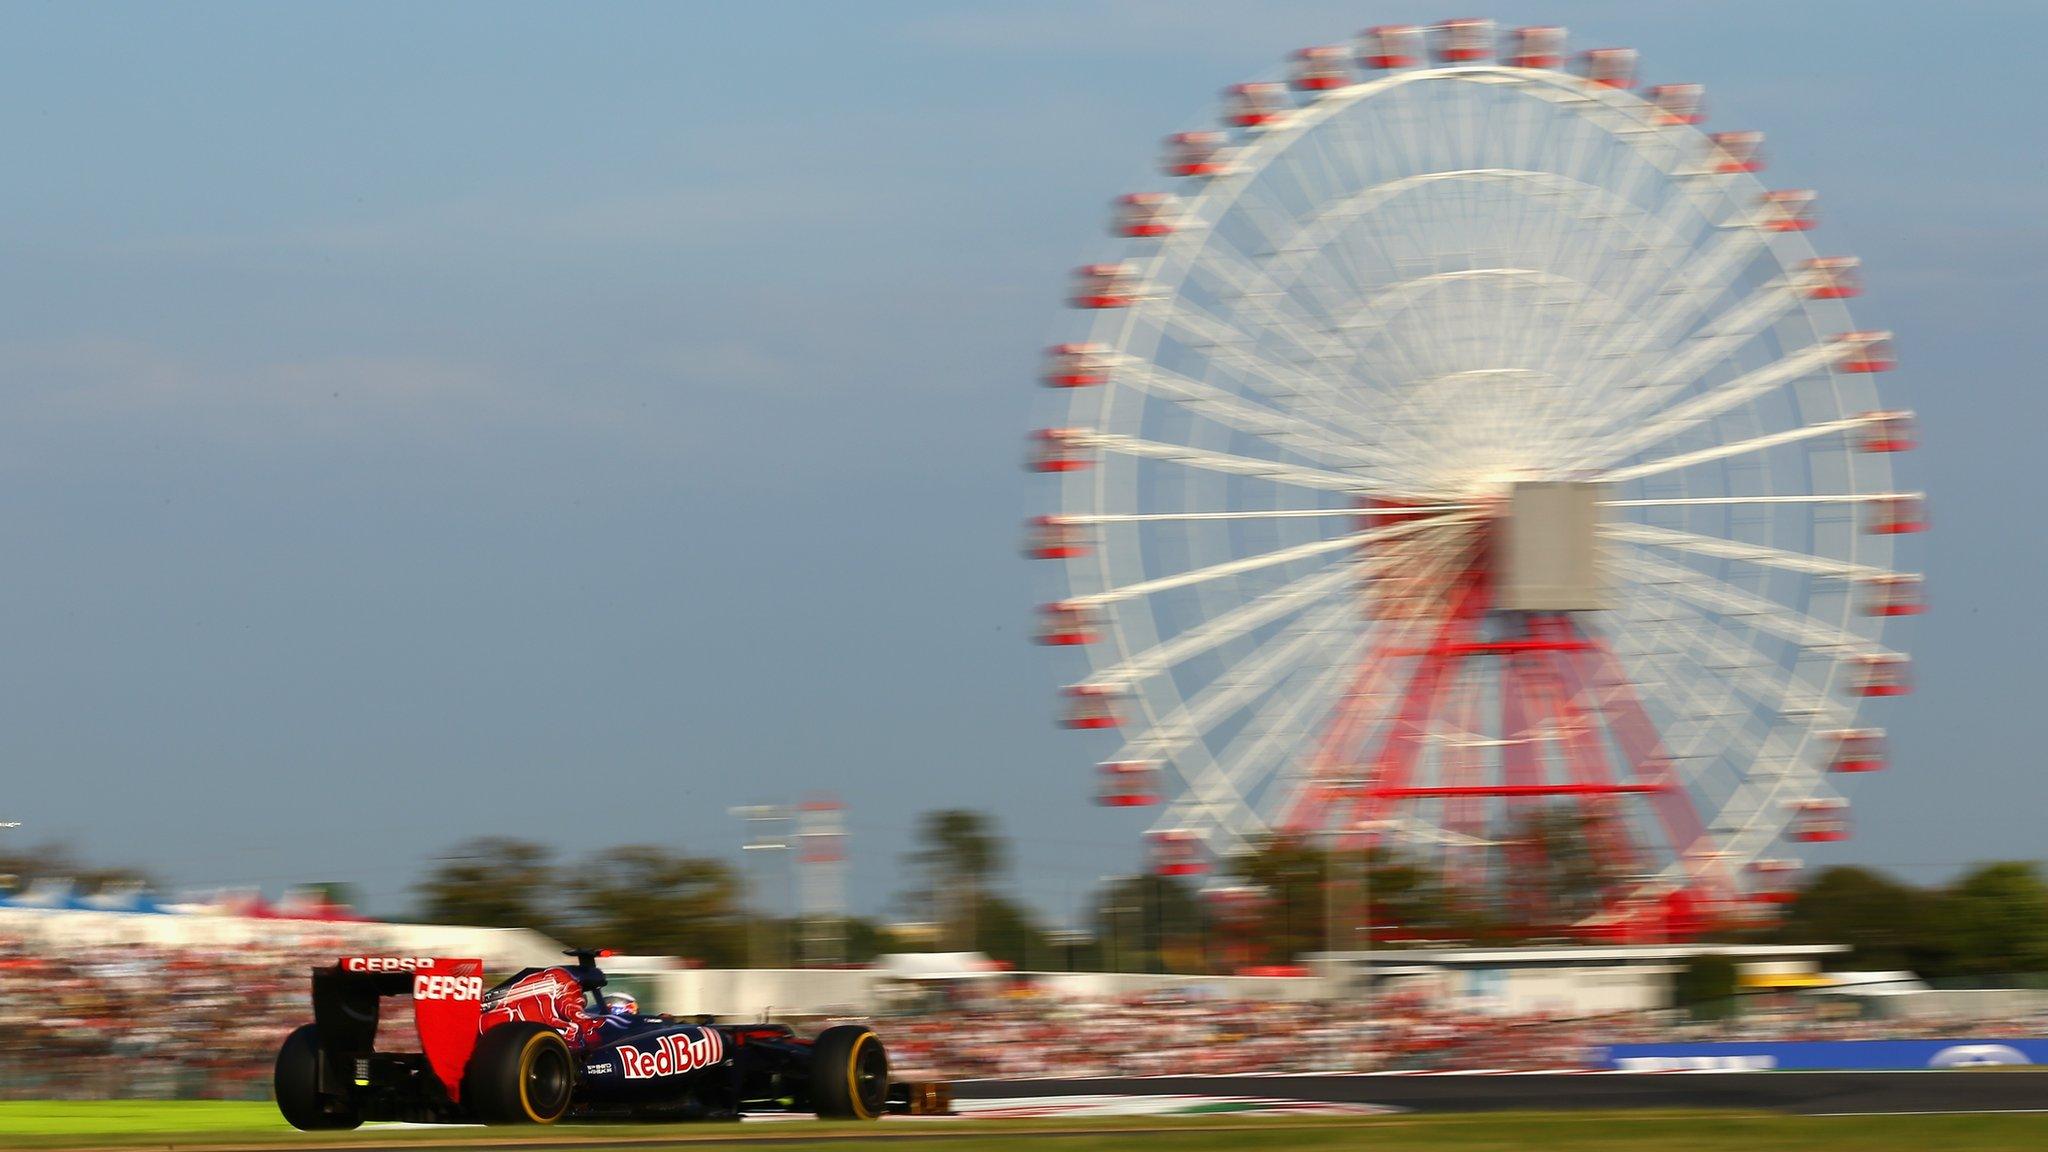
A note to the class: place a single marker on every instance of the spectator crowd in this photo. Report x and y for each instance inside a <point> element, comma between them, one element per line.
<point>1030,1036</point>
<point>140,1020</point>
<point>91,1022</point>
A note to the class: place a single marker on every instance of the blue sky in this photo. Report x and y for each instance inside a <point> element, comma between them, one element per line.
<point>425,421</point>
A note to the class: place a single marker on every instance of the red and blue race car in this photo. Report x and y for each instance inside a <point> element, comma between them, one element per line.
<point>547,1044</point>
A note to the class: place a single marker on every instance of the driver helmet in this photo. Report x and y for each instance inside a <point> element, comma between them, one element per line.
<point>620,1004</point>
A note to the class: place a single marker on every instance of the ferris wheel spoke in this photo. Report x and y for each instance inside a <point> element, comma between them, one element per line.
<point>1740,501</point>
<point>1226,408</point>
<point>1742,321</point>
<point>1711,661</point>
<point>1257,674</point>
<point>1726,335</point>
<point>1220,791</point>
<point>1726,598</point>
<point>1226,626</point>
<point>1255,562</point>
<point>1331,373</point>
<point>1723,727</point>
<point>1258,292</point>
<point>1726,549</point>
<point>1320,228</point>
<point>1710,719</point>
<point>1286,382</point>
<point>1342,310</point>
<point>1365,709</point>
<point>1420,581</point>
<point>1260,751</point>
<point>1741,447</point>
<point>1743,671</point>
<point>1295,475</point>
<point>1261,514</point>
<point>1219,787</point>
<point>1706,405</point>
<point>1215,334</point>
<point>1668,309</point>
<point>1343,253</point>
<point>1695,283</point>
<point>1745,824</point>
<point>1624,253</point>
<point>1251,279</point>
<point>1413,408</point>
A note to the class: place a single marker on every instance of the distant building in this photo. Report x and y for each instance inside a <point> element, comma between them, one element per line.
<point>1563,979</point>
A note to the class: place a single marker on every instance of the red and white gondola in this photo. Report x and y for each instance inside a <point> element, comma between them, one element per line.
<point>1386,46</point>
<point>1542,46</point>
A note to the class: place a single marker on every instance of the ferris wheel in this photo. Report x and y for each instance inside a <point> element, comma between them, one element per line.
<point>1470,435</point>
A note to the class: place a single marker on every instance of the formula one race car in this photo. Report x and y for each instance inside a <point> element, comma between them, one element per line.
<point>548,1044</point>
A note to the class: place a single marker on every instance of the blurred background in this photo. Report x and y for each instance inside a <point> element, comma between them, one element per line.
<point>506,421</point>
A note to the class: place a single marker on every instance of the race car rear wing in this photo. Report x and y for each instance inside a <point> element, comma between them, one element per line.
<point>447,998</point>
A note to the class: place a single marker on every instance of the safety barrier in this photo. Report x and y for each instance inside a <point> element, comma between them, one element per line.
<point>1872,1055</point>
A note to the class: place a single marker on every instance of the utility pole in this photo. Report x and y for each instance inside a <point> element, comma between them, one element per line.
<point>767,830</point>
<point>1337,935</point>
<point>1367,829</point>
<point>821,885</point>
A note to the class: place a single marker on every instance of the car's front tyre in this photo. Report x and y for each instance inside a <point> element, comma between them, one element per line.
<point>849,1074</point>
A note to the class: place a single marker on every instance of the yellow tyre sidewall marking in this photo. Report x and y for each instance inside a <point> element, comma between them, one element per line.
<point>860,1106</point>
<point>527,1056</point>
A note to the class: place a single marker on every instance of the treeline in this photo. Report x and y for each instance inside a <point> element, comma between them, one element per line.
<point>638,898</point>
<point>1270,906</point>
<point>1991,922</point>
<point>1297,899</point>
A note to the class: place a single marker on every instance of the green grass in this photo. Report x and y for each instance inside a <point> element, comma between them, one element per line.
<point>84,1121</point>
<point>144,1124</point>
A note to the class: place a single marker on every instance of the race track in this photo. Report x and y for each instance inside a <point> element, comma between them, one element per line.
<point>1808,1093</point>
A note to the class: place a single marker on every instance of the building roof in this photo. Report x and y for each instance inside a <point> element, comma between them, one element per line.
<point>1566,955</point>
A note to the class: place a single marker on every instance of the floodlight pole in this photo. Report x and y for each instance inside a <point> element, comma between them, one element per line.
<point>766,827</point>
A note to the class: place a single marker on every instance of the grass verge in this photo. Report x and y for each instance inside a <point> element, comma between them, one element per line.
<point>201,1125</point>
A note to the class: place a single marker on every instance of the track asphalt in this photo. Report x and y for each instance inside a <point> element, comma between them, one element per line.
<point>1808,1093</point>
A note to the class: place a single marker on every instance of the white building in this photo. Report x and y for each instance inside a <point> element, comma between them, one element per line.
<point>1568,980</point>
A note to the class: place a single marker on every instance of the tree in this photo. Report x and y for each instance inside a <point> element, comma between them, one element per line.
<point>1293,916</point>
<point>649,900</point>
<point>1887,924</point>
<point>1997,916</point>
<point>491,882</point>
<point>1706,987</point>
<point>1311,905</point>
<point>1006,930</point>
<point>957,854</point>
<point>21,868</point>
<point>866,939</point>
<point>1150,924</point>
<point>1556,875</point>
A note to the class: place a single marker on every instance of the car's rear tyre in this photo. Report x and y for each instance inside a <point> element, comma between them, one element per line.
<point>520,1073</point>
<point>296,1082</point>
<point>849,1074</point>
